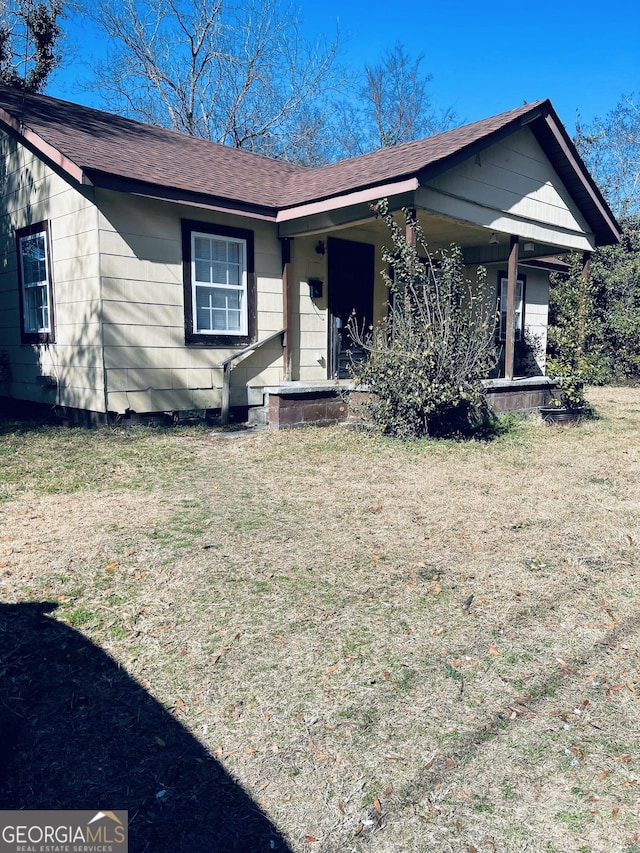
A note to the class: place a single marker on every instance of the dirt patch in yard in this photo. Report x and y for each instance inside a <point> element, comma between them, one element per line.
<point>381,646</point>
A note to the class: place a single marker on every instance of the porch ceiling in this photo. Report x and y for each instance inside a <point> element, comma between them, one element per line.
<point>440,230</point>
<point>478,243</point>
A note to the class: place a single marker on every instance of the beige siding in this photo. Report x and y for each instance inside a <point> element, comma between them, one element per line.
<point>511,188</point>
<point>311,335</point>
<point>68,372</point>
<point>536,312</point>
<point>149,366</point>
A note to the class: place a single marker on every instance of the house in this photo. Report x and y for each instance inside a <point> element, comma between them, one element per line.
<point>148,272</point>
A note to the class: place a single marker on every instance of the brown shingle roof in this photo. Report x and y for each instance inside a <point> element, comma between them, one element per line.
<point>104,144</point>
<point>391,164</point>
<point>123,154</point>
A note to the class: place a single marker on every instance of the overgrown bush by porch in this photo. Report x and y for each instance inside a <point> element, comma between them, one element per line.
<point>428,357</point>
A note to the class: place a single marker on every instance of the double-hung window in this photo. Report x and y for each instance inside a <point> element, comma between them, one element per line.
<point>218,274</point>
<point>518,310</point>
<point>36,288</point>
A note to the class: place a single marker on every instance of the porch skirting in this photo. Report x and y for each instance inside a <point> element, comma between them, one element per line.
<point>518,395</point>
<point>294,404</point>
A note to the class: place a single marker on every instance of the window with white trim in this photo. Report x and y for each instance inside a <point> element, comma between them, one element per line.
<point>218,264</point>
<point>518,309</point>
<point>36,288</point>
<point>219,276</point>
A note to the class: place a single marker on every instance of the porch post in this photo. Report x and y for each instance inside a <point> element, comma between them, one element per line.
<point>285,244</point>
<point>510,330</point>
<point>409,233</point>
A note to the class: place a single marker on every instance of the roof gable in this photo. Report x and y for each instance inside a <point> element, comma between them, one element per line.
<point>512,187</point>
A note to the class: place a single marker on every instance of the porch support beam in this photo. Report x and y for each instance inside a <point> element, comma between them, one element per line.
<point>287,308</point>
<point>510,331</point>
<point>409,232</point>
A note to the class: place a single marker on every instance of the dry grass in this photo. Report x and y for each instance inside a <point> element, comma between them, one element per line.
<point>297,601</point>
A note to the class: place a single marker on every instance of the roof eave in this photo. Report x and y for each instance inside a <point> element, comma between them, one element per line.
<point>37,144</point>
<point>340,200</point>
<point>177,195</point>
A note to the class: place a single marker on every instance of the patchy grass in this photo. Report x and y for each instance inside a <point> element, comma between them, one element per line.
<point>422,646</point>
<point>53,460</point>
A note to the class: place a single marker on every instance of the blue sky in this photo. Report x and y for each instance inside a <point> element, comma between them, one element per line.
<point>484,57</point>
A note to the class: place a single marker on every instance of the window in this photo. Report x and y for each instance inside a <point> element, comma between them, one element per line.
<point>519,305</point>
<point>36,283</point>
<point>218,267</point>
<point>218,270</point>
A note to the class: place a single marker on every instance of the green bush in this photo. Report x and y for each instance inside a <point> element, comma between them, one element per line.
<point>616,274</point>
<point>427,358</point>
<point>575,341</point>
<point>594,325</point>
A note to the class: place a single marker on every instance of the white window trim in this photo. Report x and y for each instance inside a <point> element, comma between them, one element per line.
<point>242,288</point>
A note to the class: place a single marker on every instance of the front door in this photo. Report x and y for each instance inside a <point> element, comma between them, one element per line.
<point>351,273</point>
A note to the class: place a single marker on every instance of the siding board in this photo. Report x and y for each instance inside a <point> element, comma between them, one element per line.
<point>143,308</point>
<point>514,178</point>
<point>32,192</point>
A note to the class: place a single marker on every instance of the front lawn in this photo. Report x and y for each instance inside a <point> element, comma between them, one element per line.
<point>320,640</point>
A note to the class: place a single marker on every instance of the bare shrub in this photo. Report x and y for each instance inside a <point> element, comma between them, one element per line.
<point>427,358</point>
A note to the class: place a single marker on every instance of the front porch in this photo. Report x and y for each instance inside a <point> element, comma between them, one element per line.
<point>514,198</point>
<point>296,404</point>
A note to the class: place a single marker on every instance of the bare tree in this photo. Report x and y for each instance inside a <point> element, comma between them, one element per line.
<point>238,74</point>
<point>393,105</point>
<point>611,149</point>
<point>29,35</point>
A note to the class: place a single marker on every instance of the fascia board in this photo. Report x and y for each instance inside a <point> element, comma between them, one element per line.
<point>38,144</point>
<point>369,194</point>
<point>585,179</point>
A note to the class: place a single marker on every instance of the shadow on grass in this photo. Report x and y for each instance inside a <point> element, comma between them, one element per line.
<point>77,732</point>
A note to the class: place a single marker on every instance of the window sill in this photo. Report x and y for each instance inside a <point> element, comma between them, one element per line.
<point>37,338</point>
<point>203,341</point>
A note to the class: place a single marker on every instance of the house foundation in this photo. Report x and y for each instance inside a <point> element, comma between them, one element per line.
<point>296,404</point>
<point>518,395</point>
